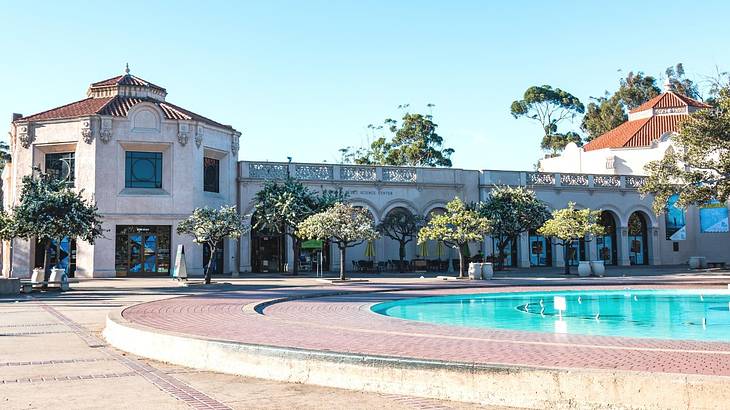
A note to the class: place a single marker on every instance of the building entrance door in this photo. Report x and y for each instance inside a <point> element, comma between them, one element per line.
<point>143,250</point>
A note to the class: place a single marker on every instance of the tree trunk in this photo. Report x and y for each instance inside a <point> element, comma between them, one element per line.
<point>46,259</point>
<point>565,253</point>
<point>297,244</point>
<point>500,247</point>
<point>208,273</point>
<point>461,262</point>
<point>401,256</point>
<point>342,262</point>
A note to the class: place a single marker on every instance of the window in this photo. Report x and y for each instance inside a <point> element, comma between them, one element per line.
<point>143,170</point>
<point>61,166</point>
<point>211,174</point>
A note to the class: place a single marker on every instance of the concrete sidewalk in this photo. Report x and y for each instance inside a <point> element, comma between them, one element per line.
<point>52,356</point>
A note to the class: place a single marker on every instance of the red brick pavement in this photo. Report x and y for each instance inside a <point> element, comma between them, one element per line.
<point>345,323</point>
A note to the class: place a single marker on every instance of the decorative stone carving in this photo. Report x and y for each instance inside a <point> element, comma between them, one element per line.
<point>316,172</point>
<point>87,132</point>
<point>26,135</point>
<point>234,143</point>
<point>539,178</point>
<point>358,173</point>
<point>399,174</point>
<point>199,136</point>
<point>182,133</point>
<point>260,170</point>
<point>635,182</point>
<point>606,181</point>
<point>574,179</point>
<point>105,134</point>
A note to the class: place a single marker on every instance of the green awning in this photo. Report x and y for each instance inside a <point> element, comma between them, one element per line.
<point>313,244</point>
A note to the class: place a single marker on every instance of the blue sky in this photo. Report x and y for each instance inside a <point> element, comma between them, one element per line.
<point>304,78</point>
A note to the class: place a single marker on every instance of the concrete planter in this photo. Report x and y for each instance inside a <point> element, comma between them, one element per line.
<point>584,268</point>
<point>487,271</point>
<point>9,286</point>
<point>697,262</point>
<point>475,271</point>
<point>598,268</point>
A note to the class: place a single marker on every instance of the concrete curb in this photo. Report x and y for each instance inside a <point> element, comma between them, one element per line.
<point>484,384</point>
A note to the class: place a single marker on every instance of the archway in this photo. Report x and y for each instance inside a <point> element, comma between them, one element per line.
<point>607,243</point>
<point>540,250</point>
<point>397,231</point>
<point>638,239</point>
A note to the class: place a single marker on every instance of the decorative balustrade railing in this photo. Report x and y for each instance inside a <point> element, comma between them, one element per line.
<point>635,182</point>
<point>358,174</point>
<point>540,178</point>
<point>574,179</point>
<point>399,174</point>
<point>317,172</point>
<point>267,171</point>
<point>607,181</point>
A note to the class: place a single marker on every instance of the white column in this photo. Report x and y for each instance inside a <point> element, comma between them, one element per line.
<point>289,253</point>
<point>559,256</point>
<point>623,247</point>
<point>653,244</point>
<point>523,250</point>
<point>592,250</point>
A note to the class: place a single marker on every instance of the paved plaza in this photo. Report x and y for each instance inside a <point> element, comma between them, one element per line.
<point>52,351</point>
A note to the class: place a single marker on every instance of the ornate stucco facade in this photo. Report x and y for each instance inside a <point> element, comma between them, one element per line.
<point>95,136</point>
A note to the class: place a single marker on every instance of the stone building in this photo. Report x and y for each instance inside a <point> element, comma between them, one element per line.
<point>147,162</point>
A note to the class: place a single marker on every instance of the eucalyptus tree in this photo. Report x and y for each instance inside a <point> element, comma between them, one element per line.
<point>569,225</point>
<point>209,227</point>
<point>49,211</point>
<point>512,211</point>
<point>549,106</point>
<point>697,165</point>
<point>342,224</point>
<point>402,226</point>
<point>456,227</point>
<point>281,207</point>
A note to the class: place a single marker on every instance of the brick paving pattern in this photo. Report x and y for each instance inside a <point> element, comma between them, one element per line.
<point>343,322</point>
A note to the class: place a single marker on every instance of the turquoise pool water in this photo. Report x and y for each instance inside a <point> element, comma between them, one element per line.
<point>662,314</point>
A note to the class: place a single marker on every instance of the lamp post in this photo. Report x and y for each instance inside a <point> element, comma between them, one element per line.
<point>288,166</point>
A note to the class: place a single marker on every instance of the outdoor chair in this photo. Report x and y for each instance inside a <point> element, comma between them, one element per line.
<point>382,266</point>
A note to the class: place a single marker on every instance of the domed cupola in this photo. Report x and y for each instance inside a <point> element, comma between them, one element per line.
<point>126,85</point>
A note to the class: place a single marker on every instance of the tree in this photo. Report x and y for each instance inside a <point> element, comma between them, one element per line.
<point>569,225</point>
<point>512,211</point>
<point>281,207</point>
<point>549,106</point>
<point>636,89</point>
<point>49,210</point>
<point>210,226</point>
<point>679,83</point>
<point>402,226</point>
<point>602,115</point>
<point>342,224</point>
<point>414,142</point>
<point>456,227</point>
<point>697,166</point>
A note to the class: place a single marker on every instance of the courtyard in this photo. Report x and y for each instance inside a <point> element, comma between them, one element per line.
<point>294,338</point>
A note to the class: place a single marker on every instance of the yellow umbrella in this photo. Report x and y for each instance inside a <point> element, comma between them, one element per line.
<point>370,249</point>
<point>423,249</point>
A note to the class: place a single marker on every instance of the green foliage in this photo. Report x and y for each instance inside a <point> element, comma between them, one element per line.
<point>697,167</point>
<point>636,89</point>
<point>456,227</point>
<point>210,226</point>
<point>570,224</point>
<point>414,142</point>
<point>342,224</point>
<point>512,211</point>
<point>602,115</point>
<point>4,154</point>
<point>679,83</point>
<point>281,207</point>
<point>549,106</point>
<point>401,225</point>
<point>49,210</point>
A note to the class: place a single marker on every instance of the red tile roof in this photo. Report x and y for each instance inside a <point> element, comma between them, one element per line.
<point>637,133</point>
<point>118,106</point>
<point>126,79</point>
<point>670,99</point>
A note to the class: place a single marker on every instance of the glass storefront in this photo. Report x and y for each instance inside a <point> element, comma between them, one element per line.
<point>62,256</point>
<point>217,266</point>
<point>576,252</point>
<point>638,240</point>
<point>540,250</point>
<point>510,253</point>
<point>142,250</point>
<point>606,243</point>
